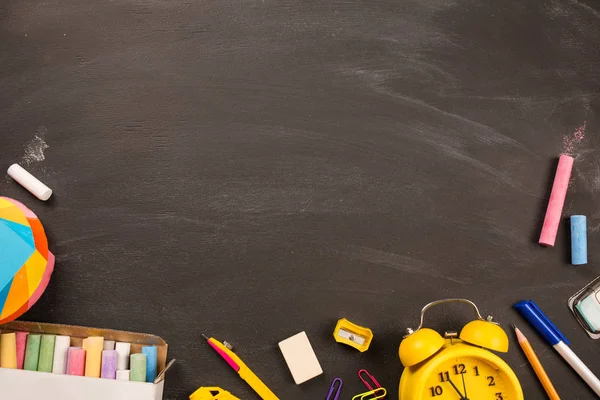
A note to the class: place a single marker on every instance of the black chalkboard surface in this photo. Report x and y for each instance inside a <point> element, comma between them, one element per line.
<point>253,169</point>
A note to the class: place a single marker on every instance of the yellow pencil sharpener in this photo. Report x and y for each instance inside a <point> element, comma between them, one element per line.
<point>353,335</point>
<point>212,393</point>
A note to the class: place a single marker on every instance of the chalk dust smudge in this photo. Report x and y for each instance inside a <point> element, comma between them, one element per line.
<point>34,149</point>
<point>571,142</point>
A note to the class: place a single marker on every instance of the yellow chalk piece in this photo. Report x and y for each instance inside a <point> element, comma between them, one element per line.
<point>8,350</point>
<point>93,358</point>
<point>18,294</point>
<point>14,214</point>
<point>36,265</point>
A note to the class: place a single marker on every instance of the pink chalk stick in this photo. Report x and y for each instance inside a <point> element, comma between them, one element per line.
<point>557,200</point>
<point>21,343</point>
<point>76,361</point>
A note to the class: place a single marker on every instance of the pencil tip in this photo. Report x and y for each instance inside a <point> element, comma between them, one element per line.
<point>520,337</point>
<point>204,336</point>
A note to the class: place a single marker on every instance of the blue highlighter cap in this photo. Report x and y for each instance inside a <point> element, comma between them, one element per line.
<point>532,313</point>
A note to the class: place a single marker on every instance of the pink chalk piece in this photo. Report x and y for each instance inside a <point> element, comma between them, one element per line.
<point>557,201</point>
<point>76,361</point>
<point>109,364</point>
<point>21,344</point>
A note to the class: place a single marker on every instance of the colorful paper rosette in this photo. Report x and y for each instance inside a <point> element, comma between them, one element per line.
<point>26,264</point>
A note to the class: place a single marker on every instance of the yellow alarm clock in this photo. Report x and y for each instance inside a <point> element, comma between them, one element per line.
<point>457,367</point>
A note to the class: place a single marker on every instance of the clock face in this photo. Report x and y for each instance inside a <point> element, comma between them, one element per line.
<point>469,378</point>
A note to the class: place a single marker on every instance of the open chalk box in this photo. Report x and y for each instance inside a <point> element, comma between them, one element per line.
<point>33,385</point>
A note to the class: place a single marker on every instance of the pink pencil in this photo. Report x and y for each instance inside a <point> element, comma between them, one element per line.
<point>557,200</point>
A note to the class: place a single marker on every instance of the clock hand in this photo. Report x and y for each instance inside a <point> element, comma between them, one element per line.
<point>457,391</point>
<point>464,386</point>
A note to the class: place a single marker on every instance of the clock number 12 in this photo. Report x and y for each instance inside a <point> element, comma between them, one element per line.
<point>459,369</point>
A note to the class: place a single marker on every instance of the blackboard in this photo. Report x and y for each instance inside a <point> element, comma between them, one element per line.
<point>253,169</point>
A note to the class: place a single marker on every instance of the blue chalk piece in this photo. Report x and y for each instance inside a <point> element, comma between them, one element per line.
<point>578,240</point>
<point>151,359</point>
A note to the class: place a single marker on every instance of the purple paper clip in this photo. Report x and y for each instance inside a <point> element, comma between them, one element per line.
<point>332,389</point>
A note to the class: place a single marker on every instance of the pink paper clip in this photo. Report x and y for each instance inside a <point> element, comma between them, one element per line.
<point>373,384</point>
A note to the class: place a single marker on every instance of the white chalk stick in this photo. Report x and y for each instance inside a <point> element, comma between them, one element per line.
<point>29,182</point>
<point>109,345</point>
<point>61,347</point>
<point>123,350</point>
<point>300,358</point>
<point>123,375</point>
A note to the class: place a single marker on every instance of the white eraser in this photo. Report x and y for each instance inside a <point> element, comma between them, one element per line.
<point>29,182</point>
<point>109,345</point>
<point>123,375</point>
<point>300,358</point>
<point>123,350</point>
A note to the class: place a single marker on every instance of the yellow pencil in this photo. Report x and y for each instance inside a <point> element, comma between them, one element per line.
<point>224,350</point>
<point>536,365</point>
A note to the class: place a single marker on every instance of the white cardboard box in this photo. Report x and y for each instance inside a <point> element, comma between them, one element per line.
<point>16,384</point>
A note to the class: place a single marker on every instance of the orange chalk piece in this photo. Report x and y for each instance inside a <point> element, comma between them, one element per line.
<point>93,347</point>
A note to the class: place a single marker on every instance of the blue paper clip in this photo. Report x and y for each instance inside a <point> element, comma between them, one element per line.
<point>332,390</point>
<point>378,393</point>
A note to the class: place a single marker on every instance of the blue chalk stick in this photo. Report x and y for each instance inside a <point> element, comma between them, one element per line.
<point>151,358</point>
<point>578,240</point>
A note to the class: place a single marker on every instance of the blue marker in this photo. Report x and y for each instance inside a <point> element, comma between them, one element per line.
<point>532,313</point>
<point>578,240</point>
<point>151,356</point>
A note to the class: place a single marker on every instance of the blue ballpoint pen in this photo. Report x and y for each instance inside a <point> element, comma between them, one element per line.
<point>532,313</point>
